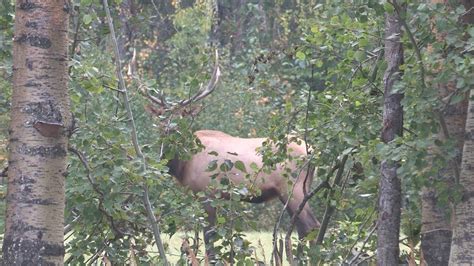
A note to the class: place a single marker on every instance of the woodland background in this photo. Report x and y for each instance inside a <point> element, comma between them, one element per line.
<point>310,68</point>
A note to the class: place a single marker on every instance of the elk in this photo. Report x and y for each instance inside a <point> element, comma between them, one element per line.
<point>194,174</point>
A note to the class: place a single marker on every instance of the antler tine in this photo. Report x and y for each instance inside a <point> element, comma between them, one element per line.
<point>210,86</point>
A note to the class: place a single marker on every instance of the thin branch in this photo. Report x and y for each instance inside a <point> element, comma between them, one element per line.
<point>85,163</point>
<point>275,252</point>
<point>122,86</point>
<point>75,38</point>
<point>329,208</point>
<point>307,197</point>
<point>369,216</point>
<point>353,260</point>
<point>413,42</point>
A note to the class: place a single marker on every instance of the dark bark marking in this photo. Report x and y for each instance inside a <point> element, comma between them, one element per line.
<point>48,152</point>
<point>14,251</point>
<point>34,40</point>
<point>46,112</point>
<point>468,136</point>
<point>29,64</point>
<point>31,24</point>
<point>36,201</point>
<point>20,226</point>
<point>28,7</point>
<point>66,7</point>
<point>46,76</point>
<point>32,84</point>
<point>438,245</point>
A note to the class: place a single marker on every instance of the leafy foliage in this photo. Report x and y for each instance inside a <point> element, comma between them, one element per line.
<point>312,70</point>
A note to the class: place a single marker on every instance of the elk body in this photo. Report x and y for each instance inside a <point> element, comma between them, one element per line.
<point>219,146</point>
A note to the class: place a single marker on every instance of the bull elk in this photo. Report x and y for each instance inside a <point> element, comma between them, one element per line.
<point>194,173</point>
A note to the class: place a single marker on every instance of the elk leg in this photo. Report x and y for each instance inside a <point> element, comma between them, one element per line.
<point>210,231</point>
<point>305,222</point>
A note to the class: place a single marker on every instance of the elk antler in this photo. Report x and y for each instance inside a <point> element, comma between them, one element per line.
<point>202,92</point>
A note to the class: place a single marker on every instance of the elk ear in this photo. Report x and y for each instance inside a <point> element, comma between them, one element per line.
<point>152,110</point>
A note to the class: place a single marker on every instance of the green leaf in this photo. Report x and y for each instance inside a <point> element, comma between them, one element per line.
<point>471,31</point>
<point>240,166</point>
<point>359,55</point>
<point>221,220</point>
<point>300,55</point>
<point>388,8</point>
<point>456,98</point>
<point>363,42</point>
<point>212,166</point>
<point>87,19</point>
<point>254,166</point>
<point>226,166</point>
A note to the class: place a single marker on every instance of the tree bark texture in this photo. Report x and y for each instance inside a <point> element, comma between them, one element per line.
<point>40,119</point>
<point>388,224</point>
<point>462,245</point>
<point>436,230</point>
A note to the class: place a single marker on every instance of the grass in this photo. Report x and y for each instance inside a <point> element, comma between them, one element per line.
<point>260,241</point>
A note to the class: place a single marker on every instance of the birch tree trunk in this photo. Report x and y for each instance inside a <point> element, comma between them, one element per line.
<point>462,244</point>
<point>389,187</point>
<point>436,230</point>
<point>40,118</point>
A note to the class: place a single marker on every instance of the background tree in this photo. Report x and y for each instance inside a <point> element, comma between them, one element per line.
<point>389,208</point>
<point>40,128</point>
<point>463,229</point>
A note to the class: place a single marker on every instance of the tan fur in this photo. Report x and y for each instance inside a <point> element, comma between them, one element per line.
<point>194,173</point>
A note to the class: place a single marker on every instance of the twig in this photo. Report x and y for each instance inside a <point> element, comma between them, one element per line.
<point>122,86</point>
<point>413,42</point>
<point>363,245</point>
<point>75,40</point>
<point>275,252</point>
<point>117,231</point>
<point>324,184</point>
<point>329,208</point>
<point>85,163</point>
<point>359,233</point>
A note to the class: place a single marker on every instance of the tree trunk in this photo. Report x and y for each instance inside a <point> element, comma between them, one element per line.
<point>436,230</point>
<point>389,188</point>
<point>40,119</point>
<point>462,245</point>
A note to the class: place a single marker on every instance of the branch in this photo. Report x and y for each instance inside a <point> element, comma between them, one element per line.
<point>359,232</point>
<point>289,255</point>
<point>85,163</point>
<point>354,259</point>
<point>329,208</point>
<point>117,231</point>
<point>122,86</point>
<point>413,42</point>
<point>275,252</point>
